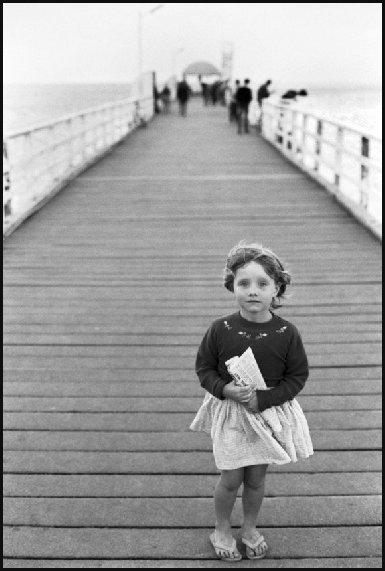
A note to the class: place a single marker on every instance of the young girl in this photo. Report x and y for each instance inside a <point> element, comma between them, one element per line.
<point>243,447</point>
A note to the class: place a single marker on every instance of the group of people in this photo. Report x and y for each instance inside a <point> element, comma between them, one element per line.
<point>238,99</point>
<point>215,92</point>
<point>242,97</point>
<point>162,99</point>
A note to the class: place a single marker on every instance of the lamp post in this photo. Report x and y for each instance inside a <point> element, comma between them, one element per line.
<point>140,42</point>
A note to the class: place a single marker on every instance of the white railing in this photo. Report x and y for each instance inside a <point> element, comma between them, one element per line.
<point>39,161</point>
<point>344,159</point>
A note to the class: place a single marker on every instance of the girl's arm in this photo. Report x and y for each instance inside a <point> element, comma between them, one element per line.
<point>206,367</point>
<point>296,373</point>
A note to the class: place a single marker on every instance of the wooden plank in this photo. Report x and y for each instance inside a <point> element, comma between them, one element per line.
<point>53,462</point>
<point>181,353</point>
<point>32,542</point>
<point>90,275</point>
<point>208,314</point>
<point>183,387</point>
<point>128,375</point>
<point>370,358</point>
<point>332,563</point>
<point>321,315</point>
<point>62,295</point>
<point>151,441</point>
<point>167,422</point>
<point>169,404</point>
<point>74,338</point>
<point>191,485</point>
<point>310,332</point>
<point>190,512</point>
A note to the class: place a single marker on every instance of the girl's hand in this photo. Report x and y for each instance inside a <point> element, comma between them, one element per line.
<point>239,394</point>
<point>252,405</point>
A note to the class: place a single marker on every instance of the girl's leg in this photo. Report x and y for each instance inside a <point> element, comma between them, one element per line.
<point>253,493</point>
<point>225,495</point>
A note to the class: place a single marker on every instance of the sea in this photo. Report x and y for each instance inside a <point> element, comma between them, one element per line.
<point>25,106</point>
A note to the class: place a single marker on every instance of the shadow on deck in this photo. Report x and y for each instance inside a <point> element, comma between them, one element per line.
<point>108,291</point>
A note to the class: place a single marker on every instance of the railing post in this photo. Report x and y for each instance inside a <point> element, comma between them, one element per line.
<point>303,138</point>
<point>338,156</point>
<point>295,148</point>
<point>364,175</point>
<point>289,130</point>
<point>318,144</point>
<point>7,196</point>
<point>280,126</point>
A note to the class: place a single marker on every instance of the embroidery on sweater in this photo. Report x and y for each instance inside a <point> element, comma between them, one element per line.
<point>282,330</point>
<point>260,335</point>
<point>227,325</point>
<point>244,334</point>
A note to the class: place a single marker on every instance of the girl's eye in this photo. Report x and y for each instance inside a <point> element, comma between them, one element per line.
<point>243,284</point>
<point>263,284</point>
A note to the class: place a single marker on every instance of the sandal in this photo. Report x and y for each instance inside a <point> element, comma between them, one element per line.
<point>253,547</point>
<point>224,552</point>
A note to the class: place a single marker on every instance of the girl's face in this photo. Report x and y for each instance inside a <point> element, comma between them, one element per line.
<point>254,290</point>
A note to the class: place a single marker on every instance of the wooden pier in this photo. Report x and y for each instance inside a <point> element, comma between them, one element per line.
<point>108,291</point>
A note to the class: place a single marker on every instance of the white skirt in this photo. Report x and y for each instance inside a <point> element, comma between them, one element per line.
<point>242,438</point>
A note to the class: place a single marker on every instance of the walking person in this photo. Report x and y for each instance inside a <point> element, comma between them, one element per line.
<point>263,92</point>
<point>183,95</point>
<point>233,102</point>
<point>165,95</point>
<point>243,98</point>
<point>243,445</point>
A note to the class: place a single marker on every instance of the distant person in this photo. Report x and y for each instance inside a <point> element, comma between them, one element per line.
<point>204,91</point>
<point>156,99</point>
<point>214,92</point>
<point>291,95</point>
<point>227,95</point>
<point>233,102</point>
<point>223,89</point>
<point>165,96</point>
<point>183,95</point>
<point>243,97</point>
<point>263,92</point>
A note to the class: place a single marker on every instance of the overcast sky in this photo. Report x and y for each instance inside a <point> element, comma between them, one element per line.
<point>294,43</point>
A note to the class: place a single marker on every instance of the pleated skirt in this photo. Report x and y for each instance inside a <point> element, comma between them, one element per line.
<point>241,438</point>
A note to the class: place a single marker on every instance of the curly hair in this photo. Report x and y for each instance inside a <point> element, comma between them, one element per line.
<point>244,253</point>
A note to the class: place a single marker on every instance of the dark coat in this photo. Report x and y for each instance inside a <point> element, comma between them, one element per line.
<point>243,96</point>
<point>183,92</point>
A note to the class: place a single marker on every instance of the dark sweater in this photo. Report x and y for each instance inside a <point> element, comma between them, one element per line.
<point>243,96</point>
<point>277,348</point>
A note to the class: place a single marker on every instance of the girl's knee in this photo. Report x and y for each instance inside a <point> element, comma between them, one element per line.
<point>254,476</point>
<point>232,479</point>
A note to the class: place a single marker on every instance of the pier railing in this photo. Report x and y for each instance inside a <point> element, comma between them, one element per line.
<point>341,157</point>
<point>38,162</point>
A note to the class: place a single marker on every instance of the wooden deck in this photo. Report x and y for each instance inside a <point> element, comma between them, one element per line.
<point>108,291</point>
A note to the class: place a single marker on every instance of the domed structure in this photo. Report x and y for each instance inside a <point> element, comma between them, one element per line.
<point>203,68</point>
